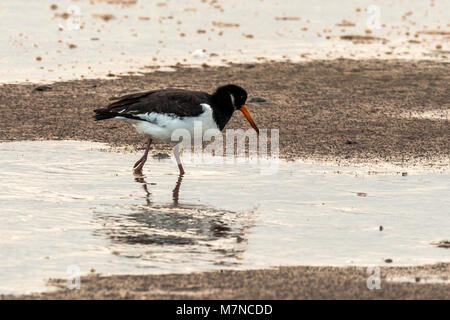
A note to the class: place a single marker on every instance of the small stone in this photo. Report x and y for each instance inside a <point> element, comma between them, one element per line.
<point>388,260</point>
<point>258,99</point>
<point>442,244</point>
<point>160,156</point>
<point>42,88</point>
<point>404,174</point>
<point>381,228</point>
<point>105,17</point>
<point>361,194</point>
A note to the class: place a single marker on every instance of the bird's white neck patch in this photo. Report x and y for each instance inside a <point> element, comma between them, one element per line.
<point>232,100</point>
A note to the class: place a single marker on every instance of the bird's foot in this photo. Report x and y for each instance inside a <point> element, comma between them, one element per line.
<point>137,173</point>
<point>137,170</point>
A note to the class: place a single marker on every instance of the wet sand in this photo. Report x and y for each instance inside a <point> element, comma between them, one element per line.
<point>340,110</point>
<point>280,283</point>
<point>86,38</point>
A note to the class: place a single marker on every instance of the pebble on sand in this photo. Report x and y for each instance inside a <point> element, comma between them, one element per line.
<point>442,244</point>
<point>104,17</point>
<point>258,99</point>
<point>361,194</point>
<point>42,88</point>
<point>160,156</point>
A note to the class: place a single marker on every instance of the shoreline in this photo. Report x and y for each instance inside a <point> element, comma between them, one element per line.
<point>282,283</point>
<point>349,111</point>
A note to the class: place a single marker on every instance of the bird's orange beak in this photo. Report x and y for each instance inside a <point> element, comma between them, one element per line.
<point>249,118</point>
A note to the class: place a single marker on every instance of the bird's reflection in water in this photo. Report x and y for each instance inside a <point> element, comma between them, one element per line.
<point>175,191</point>
<point>175,232</point>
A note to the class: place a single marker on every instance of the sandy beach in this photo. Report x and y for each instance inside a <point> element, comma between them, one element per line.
<point>281,283</point>
<point>339,110</point>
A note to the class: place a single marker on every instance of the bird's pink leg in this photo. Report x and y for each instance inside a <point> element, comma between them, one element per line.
<point>177,157</point>
<point>176,190</point>
<point>137,168</point>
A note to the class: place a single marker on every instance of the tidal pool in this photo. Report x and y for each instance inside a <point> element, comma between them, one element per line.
<point>68,203</point>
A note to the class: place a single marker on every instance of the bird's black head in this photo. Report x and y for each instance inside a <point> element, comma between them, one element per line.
<point>232,97</point>
<point>233,94</point>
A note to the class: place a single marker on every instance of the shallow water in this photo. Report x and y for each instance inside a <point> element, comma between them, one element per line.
<point>69,203</point>
<point>149,34</point>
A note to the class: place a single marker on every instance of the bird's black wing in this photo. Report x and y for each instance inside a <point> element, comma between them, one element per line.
<point>181,103</point>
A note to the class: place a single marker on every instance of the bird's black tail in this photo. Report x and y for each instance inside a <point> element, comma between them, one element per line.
<point>103,114</point>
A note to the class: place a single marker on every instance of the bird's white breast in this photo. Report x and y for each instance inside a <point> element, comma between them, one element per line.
<point>161,126</point>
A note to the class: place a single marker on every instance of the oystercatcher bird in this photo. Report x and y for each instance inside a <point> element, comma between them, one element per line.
<point>156,114</point>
